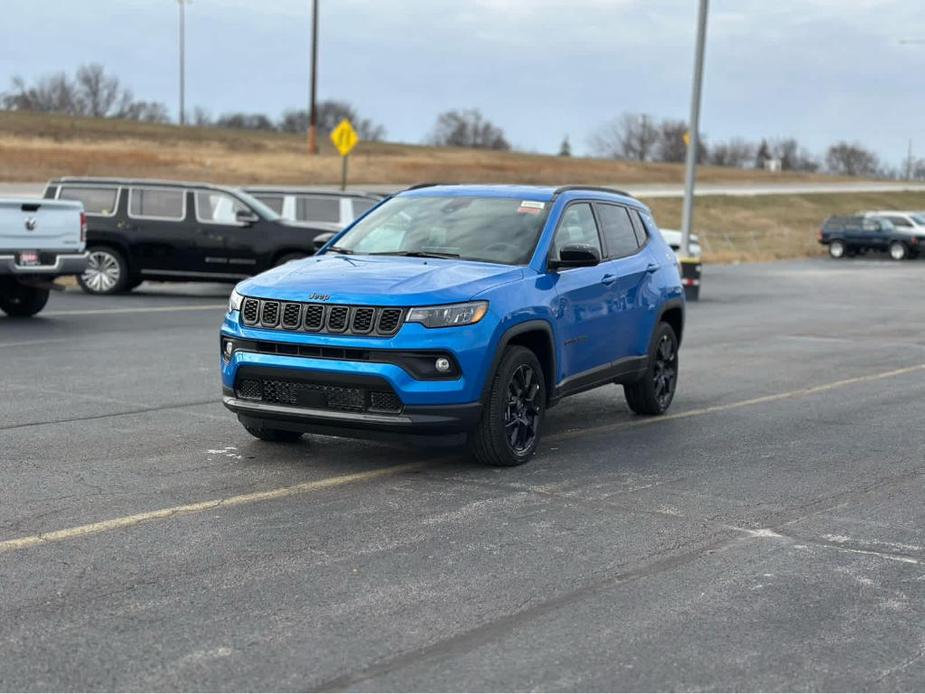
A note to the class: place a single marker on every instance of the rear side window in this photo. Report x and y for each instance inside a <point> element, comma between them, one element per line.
<point>216,207</point>
<point>639,228</point>
<point>617,229</point>
<point>577,227</point>
<point>96,200</point>
<point>362,206</point>
<point>900,221</point>
<point>274,202</point>
<point>156,203</point>
<point>319,208</point>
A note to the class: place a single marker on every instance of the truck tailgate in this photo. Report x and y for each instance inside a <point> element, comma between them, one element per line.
<point>40,225</point>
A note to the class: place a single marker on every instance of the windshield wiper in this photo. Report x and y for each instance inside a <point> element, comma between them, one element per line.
<point>341,250</point>
<point>419,254</point>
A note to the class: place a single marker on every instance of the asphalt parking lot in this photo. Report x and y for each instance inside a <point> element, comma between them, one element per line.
<point>768,534</point>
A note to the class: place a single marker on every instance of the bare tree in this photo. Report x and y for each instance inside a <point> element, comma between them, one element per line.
<point>467,128</point>
<point>91,93</point>
<point>792,156</point>
<point>99,92</point>
<point>628,136</point>
<point>565,149</point>
<point>735,152</point>
<point>245,121</point>
<point>671,145</point>
<point>330,113</point>
<point>851,159</point>
<point>201,117</point>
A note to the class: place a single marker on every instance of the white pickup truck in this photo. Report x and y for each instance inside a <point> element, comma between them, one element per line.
<point>39,241</point>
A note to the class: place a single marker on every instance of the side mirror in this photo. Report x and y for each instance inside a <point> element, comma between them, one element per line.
<point>575,255</point>
<point>245,217</point>
<point>322,239</point>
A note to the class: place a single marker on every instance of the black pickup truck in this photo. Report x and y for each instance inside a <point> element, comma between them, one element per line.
<point>169,230</point>
<point>849,236</point>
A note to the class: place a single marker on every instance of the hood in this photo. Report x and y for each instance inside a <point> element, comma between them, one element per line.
<point>379,280</point>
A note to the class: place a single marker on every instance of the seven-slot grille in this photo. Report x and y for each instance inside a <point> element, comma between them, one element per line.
<point>321,318</point>
<point>378,398</point>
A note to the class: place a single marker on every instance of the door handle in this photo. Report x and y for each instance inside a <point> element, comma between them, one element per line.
<point>651,267</point>
<point>608,279</point>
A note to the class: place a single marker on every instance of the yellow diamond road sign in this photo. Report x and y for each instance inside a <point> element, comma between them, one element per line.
<point>344,137</point>
<point>687,137</point>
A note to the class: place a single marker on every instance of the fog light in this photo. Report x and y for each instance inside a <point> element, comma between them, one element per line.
<point>229,349</point>
<point>442,365</point>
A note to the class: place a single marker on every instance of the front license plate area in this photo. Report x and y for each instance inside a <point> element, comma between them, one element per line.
<point>316,399</point>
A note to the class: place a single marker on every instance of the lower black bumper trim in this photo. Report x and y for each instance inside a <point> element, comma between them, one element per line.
<point>431,420</point>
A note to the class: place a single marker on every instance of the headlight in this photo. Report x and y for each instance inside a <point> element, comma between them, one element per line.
<point>234,301</point>
<point>446,316</point>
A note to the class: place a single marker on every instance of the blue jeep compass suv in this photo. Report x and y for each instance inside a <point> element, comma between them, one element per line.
<point>459,312</point>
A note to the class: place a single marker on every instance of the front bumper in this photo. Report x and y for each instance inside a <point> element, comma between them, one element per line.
<point>413,422</point>
<point>64,264</point>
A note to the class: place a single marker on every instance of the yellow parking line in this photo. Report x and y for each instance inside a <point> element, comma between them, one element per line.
<point>328,483</point>
<point>199,507</point>
<point>735,405</point>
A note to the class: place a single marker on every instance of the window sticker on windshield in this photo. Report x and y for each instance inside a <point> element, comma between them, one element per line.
<point>531,207</point>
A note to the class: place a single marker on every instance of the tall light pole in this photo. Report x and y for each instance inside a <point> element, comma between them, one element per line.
<point>181,5</point>
<point>693,146</point>
<point>312,109</point>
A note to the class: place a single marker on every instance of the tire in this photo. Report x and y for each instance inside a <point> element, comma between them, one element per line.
<point>273,435</point>
<point>837,249</point>
<point>108,272</point>
<point>652,394</point>
<point>283,259</point>
<point>898,250</point>
<point>21,301</point>
<point>509,431</point>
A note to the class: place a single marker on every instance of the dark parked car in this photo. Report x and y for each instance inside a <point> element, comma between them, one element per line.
<point>848,236</point>
<point>170,230</point>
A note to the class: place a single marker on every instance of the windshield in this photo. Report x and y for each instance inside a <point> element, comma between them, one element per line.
<point>260,208</point>
<point>494,230</point>
<point>919,219</point>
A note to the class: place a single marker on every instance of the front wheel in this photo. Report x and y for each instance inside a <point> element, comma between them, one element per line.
<point>22,301</point>
<point>899,250</point>
<point>509,430</point>
<point>107,272</point>
<point>652,394</point>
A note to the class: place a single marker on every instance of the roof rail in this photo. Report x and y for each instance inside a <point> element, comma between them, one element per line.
<point>423,185</point>
<point>599,189</point>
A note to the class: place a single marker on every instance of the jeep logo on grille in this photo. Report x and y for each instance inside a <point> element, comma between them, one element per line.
<point>319,297</point>
<point>30,223</point>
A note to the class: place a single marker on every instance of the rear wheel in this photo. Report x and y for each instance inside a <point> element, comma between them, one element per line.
<point>653,393</point>
<point>837,249</point>
<point>899,250</point>
<point>274,435</point>
<point>509,430</point>
<point>106,273</point>
<point>21,301</point>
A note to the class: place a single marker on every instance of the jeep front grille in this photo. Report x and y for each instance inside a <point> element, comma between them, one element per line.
<point>321,318</point>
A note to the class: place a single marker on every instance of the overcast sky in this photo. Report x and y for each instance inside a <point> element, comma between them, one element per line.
<point>818,70</point>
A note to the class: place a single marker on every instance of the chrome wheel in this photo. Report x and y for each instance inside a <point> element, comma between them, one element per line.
<point>103,272</point>
<point>897,250</point>
<point>665,371</point>
<point>522,415</point>
<point>836,249</point>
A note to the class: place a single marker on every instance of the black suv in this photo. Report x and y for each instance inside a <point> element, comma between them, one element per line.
<point>169,230</point>
<point>849,236</point>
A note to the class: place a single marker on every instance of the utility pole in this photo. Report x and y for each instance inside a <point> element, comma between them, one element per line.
<point>312,108</point>
<point>909,161</point>
<point>693,147</point>
<point>181,5</point>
